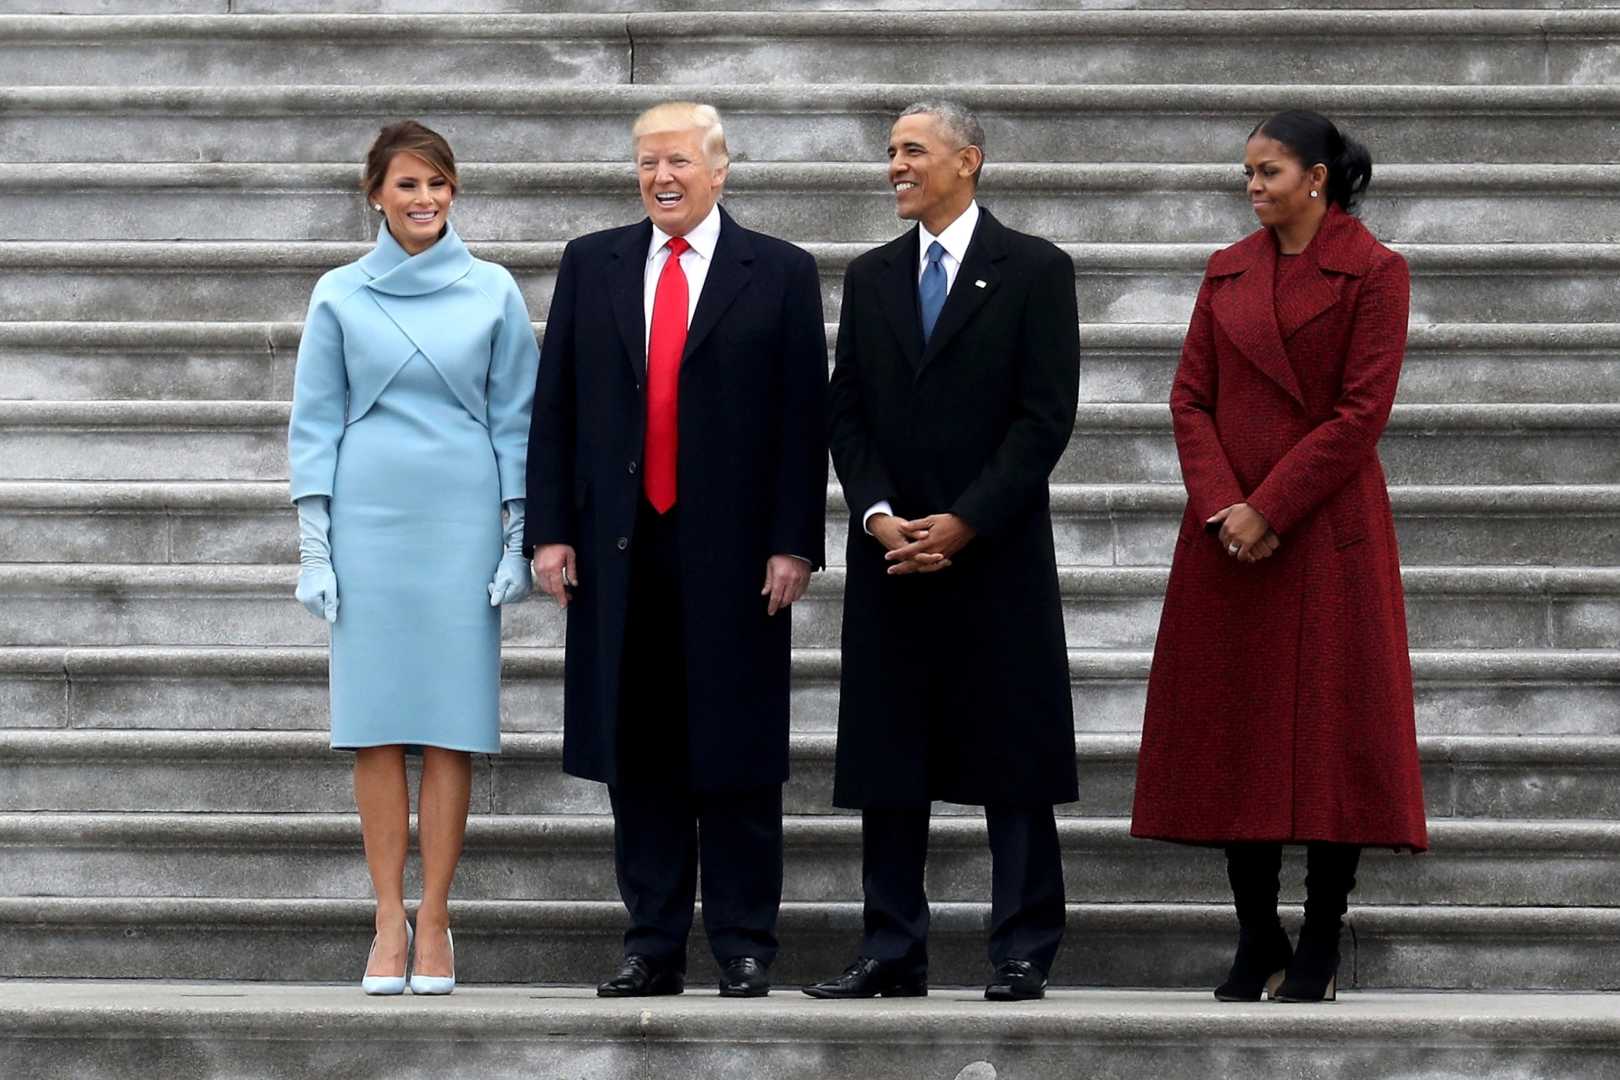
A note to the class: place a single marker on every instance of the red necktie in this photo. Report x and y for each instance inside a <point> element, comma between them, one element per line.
<point>664,347</point>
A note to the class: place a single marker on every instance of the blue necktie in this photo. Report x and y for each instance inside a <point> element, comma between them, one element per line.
<point>931,290</point>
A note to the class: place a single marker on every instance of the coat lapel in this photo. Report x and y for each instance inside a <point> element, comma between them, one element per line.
<point>1341,247</point>
<point>728,274</point>
<point>628,282</point>
<point>1304,294</point>
<point>898,287</point>
<point>1247,308</point>
<point>976,279</point>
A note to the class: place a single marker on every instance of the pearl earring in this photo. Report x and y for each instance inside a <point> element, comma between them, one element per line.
<point>1313,195</point>
<point>378,206</point>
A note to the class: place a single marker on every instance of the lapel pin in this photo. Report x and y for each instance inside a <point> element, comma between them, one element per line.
<point>979,283</point>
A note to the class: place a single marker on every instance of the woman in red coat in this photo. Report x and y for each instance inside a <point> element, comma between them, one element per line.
<point>1279,707</point>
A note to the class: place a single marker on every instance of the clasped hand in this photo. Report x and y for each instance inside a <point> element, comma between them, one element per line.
<point>1244,533</point>
<point>923,545</point>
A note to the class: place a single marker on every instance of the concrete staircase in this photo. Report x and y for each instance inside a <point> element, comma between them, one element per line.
<point>172,184</point>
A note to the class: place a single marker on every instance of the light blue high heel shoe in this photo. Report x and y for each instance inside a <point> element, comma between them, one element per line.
<point>388,985</point>
<point>437,984</point>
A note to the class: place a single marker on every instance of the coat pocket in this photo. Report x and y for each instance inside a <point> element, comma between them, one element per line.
<point>1347,517</point>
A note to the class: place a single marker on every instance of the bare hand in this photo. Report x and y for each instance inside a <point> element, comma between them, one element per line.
<point>1267,546</point>
<point>1243,529</point>
<point>556,570</point>
<point>786,578</point>
<point>941,535</point>
<point>890,531</point>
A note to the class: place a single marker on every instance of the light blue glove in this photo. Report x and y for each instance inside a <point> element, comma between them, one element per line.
<point>317,584</point>
<point>512,578</point>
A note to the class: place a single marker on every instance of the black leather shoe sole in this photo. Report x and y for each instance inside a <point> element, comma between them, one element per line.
<point>1013,993</point>
<point>745,991</point>
<point>662,986</point>
<point>894,990</point>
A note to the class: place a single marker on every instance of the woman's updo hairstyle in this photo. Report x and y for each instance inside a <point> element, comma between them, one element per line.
<point>1314,139</point>
<point>407,137</point>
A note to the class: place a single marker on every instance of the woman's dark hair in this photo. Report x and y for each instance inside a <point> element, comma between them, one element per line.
<point>1314,139</point>
<point>407,137</point>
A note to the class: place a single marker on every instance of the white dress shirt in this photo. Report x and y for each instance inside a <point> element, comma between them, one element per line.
<point>954,238</point>
<point>695,262</point>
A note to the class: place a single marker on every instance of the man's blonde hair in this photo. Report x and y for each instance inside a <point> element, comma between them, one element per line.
<point>686,116</point>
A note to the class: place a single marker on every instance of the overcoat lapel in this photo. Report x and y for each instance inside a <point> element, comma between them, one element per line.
<point>728,274</point>
<point>1247,309</point>
<point>627,284</point>
<point>898,287</point>
<point>1304,294</point>
<point>976,279</point>
<point>1341,247</point>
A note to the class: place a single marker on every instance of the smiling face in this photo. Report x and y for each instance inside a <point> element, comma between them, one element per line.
<point>1280,186</point>
<point>932,177</point>
<point>415,198</point>
<point>679,182</point>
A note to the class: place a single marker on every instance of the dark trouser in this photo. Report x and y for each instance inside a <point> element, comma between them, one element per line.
<point>661,837</point>
<point>1330,875</point>
<point>1026,905</point>
<point>664,827</point>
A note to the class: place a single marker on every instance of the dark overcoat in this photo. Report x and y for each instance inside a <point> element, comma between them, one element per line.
<point>752,477</point>
<point>955,684</point>
<point>1280,700</point>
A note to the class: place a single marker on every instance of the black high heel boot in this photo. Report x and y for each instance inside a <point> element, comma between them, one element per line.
<point>1263,951</point>
<point>1330,874</point>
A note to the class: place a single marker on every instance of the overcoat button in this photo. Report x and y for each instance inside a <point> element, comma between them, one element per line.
<point>624,542</point>
<point>632,468</point>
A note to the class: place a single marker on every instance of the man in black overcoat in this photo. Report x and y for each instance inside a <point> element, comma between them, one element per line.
<point>953,397</point>
<point>677,490</point>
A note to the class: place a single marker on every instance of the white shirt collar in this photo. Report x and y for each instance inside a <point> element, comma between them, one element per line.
<point>703,237</point>
<point>954,238</point>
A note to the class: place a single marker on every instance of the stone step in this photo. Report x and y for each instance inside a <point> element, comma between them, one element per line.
<point>1116,607</point>
<point>1117,283</point>
<point>1114,443</point>
<point>358,50</point>
<point>1497,48</point>
<point>1094,525</point>
<point>594,7</point>
<point>1085,203</point>
<point>1162,945</point>
<point>251,772</point>
<point>813,48</point>
<point>1445,362</point>
<point>1423,444</point>
<point>848,122</point>
<point>1519,692</point>
<point>570,858</point>
<point>101,1030</point>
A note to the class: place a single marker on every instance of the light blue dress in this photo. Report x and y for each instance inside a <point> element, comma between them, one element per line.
<point>411,406</point>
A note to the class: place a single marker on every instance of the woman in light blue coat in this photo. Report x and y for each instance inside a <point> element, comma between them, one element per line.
<point>409,433</point>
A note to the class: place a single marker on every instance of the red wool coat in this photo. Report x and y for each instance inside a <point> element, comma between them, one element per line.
<point>1279,704</point>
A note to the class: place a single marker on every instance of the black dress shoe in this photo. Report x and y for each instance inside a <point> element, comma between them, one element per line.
<point>744,976</point>
<point>641,976</point>
<point>867,978</point>
<point>1016,980</point>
